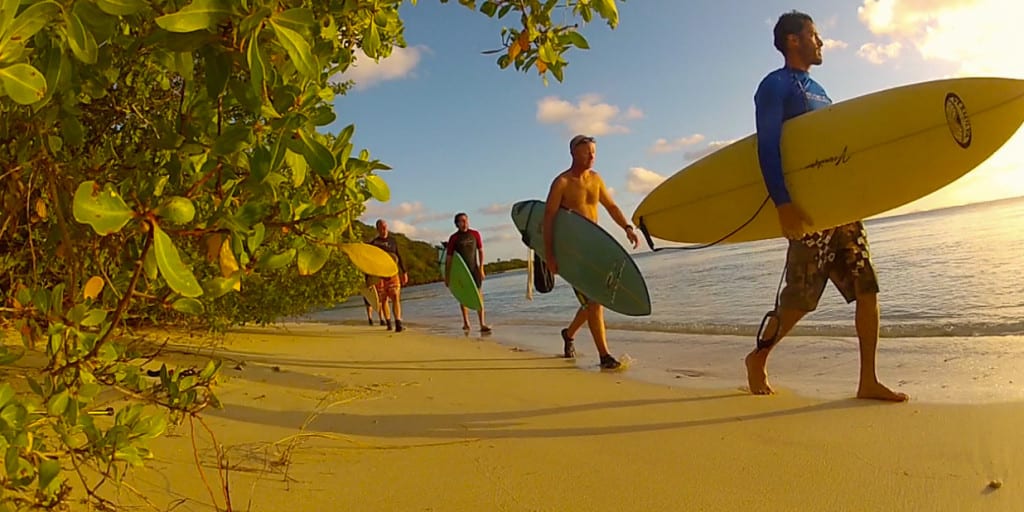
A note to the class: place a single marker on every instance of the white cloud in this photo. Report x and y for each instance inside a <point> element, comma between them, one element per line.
<point>666,146</point>
<point>878,53</point>
<point>400,64</point>
<point>831,44</point>
<point>634,113</point>
<point>432,216</point>
<point>642,181</point>
<point>590,116</point>
<point>495,209</point>
<point>405,209</point>
<point>502,233</point>
<point>981,37</point>
<point>416,232</point>
<point>405,228</point>
<point>712,146</point>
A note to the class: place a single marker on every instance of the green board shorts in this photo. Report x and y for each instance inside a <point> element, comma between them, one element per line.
<point>840,255</point>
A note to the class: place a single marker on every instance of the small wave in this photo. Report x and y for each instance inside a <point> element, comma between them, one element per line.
<point>931,330</point>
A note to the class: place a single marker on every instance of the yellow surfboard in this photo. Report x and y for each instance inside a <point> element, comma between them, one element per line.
<point>370,260</point>
<point>849,161</point>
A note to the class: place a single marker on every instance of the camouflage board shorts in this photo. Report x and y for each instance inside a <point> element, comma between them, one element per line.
<point>840,255</point>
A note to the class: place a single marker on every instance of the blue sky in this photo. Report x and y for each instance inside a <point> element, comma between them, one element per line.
<point>674,81</point>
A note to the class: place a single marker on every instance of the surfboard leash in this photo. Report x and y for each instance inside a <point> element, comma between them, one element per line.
<point>650,241</point>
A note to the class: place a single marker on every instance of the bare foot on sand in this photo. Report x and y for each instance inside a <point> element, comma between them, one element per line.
<point>757,376</point>
<point>876,391</point>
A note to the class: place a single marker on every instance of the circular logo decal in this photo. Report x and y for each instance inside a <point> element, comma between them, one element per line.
<point>957,120</point>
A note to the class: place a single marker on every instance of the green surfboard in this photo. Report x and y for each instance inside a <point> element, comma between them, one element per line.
<point>461,283</point>
<point>589,258</point>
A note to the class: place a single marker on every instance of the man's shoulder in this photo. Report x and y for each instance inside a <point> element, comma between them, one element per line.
<point>774,82</point>
<point>562,177</point>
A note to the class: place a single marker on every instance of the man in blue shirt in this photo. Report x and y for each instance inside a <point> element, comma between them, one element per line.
<point>839,254</point>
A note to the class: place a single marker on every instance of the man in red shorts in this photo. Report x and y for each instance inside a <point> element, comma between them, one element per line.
<point>389,289</point>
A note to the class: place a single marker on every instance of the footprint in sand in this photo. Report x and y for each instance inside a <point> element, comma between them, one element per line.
<point>686,372</point>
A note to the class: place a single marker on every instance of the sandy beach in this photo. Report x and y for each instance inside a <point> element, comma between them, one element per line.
<point>355,418</point>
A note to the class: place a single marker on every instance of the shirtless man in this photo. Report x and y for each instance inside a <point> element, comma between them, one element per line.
<point>580,189</point>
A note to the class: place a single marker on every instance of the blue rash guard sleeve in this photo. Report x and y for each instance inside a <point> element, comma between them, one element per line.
<point>769,103</point>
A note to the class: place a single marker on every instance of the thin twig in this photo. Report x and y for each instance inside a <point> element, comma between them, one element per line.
<point>28,224</point>
<point>221,458</point>
<point>199,465</point>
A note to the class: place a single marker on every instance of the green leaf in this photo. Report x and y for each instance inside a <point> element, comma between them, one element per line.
<point>48,470</point>
<point>298,167</point>
<point>576,39</point>
<point>58,403</point>
<point>82,42</point>
<point>188,306</point>
<point>323,116</point>
<point>129,454</point>
<point>218,71</point>
<point>233,139</point>
<point>8,356</point>
<point>378,188</point>
<point>121,7</point>
<point>607,10</point>
<point>271,261</point>
<point>149,265</point>
<point>489,8</point>
<point>298,19</point>
<point>371,41</point>
<point>219,286</point>
<point>343,137</point>
<point>94,317</point>
<point>151,426</point>
<point>8,8</point>
<point>178,275</point>
<point>254,241</point>
<point>101,24</point>
<point>259,164</point>
<point>312,259</point>
<point>257,65</point>
<point>107,353</point>
<point>24,83</point>
<point>6,393</point>
<point>30,21</point>
<point>212,366</point>
<point>298,51</point>
<point>199,15</point>
<point>104,210</point>
<point>317,155</point>
<point>177,209</point>
<point>71,129</point>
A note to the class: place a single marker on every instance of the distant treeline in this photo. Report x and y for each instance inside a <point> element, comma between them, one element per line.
<point>497,267</point>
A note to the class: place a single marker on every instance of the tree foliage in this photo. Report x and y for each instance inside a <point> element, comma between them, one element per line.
<point>163,160</point>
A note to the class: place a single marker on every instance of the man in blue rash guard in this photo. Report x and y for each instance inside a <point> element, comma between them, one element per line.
<point>838,254</point>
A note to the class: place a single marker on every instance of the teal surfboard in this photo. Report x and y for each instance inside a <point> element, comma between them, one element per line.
<point>461,283</point>
<point>588,257</point>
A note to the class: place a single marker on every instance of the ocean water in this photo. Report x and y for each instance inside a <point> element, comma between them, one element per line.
<point>952,306</point>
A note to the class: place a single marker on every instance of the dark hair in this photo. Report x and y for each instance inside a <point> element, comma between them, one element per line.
<point>460,214</point>
<point>790,23</point>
